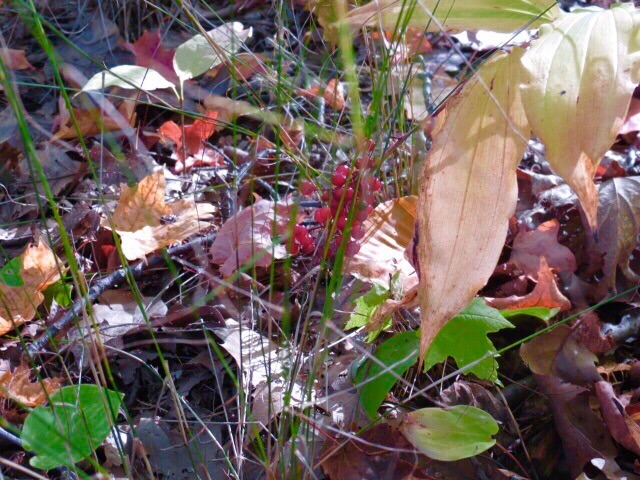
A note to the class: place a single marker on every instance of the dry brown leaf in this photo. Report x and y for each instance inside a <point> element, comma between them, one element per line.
<point>388,232</point>
<point>247,238</point>
<point>40,268</point>
<point>469,191</point>
<point>15,59</point>
<point>17,386</point>
<point>545,294</point>
<point>146,223</point>
<point>93,122</point>
<point>333,93</point>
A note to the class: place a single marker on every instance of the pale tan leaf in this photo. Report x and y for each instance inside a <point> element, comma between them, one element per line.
<point>468,191</point>
<point>15,59</point>
<point>577,84</point>
<point>146,223</point>
<point>40,268</point>
<point>388,232</point>
<point>454,15</point>
<point>17,386</point>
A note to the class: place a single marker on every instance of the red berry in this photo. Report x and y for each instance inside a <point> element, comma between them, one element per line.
<point>341,222</point>
<point>338,179</point>
<point>376,184</point>
<point>299,232</point>
<point>307,188</point>
<point>338,192</point>
<point>309,248</point>
<point>362,215</point>
<point>337,239</point>
<point>343,170</point>
<point>369,209</point>
<point>357,232</point>
<point>293,248</point>
<point>335,204</point>
<point>349,193</point>
<point>322,215</point>
<point>352,249</point>
<point>306,240</point>
<point>325,196</point>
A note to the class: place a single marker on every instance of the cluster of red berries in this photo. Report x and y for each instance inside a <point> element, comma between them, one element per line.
<point>350,188</point>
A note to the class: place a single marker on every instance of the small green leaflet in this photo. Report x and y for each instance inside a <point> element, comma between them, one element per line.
<point>450,434</point>
<point>10,273</point>
<point>464,338</point>
<point>74,424</point>
<point>543,313</point>
<point>365,306</point>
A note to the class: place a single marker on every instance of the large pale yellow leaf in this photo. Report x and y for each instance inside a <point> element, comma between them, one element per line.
<point>40,268</point>
<point>454,15</point>
<point>146,223</point>
<point>577,84</point>
<point>468,191</point>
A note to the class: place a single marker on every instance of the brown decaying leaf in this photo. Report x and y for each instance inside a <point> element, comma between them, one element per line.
<point>15,59</point>
<point>17,386</point>
<point>146,223</point>
<point>388,232</point>
<point>619,227</point>
<point>529,247</point>
<point>545,294</point>
<point>247,237</point>
<point>40,268</point>
<point>333,93</point>
<point>94,121</point>
<point>469,191</point>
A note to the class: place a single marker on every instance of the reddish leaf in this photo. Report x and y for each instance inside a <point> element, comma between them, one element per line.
<point>150,53</point>
<point>529,247</point>
<point>623,429</point>
<point>15,59</point>
<point>545,294</point>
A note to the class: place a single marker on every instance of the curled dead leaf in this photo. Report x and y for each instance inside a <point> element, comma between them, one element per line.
<point>17,386</point>
<point>333,93</point>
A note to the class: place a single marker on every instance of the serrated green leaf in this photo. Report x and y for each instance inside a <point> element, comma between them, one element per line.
<point>73,425</point>
<point>584,62</point>
<point>464,338</point>
<point>128,76</point>
<point>454,15</point>
<point>543,313</point>
<point>195,56</point>
<point>10,273</point>
<point>392,359</point>
<point>450,434</point>
<point>364,308</point>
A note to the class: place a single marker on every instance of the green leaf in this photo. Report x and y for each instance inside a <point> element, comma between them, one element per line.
<point>543,313</point>
<point>464,338</point>
<point>10,273</point>
<point>454,15</point>
<point>450,434</point>
<point>60,292</point>
<point>376,378</point>
<point>73,425</point>
<point>365,306</point>
<point>584,62</point>
<point>128,76</point>
<point>196,56</point>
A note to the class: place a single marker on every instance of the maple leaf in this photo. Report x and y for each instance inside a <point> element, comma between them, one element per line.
<point>146,223</point>
<point>40,267</point>
<point>388,232</point>
<point>17,386</point>
<point>529,247</point>
<point>545,294</point>
<point>247,238</point>
<point>150,53</point>
<point>15,59</point>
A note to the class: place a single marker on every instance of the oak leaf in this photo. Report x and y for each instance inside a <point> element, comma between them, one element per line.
<point>17,386</point>
<point>468,194</point>
<point>146,223</point>
<point>40,268</point>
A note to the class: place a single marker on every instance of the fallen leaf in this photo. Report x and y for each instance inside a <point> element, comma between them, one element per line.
<point>150,53</point>
<point>95,121</point>
<point>622,428</point>
<point>243,65</point>
<point>530,247</point>
<point>467,197</point>
<point>17,386</point>
<point>388,232</point>
<point>247,238</point>
<point>15,59</point>
<point>632,120</point>
<point>40,268</point>
<point>128,77</point>
<point>333,93</point>
<point>619,227</point>
<point>545,294</point>
<point>145,223</point>
<point>580,64</point>
<point>228,110</point>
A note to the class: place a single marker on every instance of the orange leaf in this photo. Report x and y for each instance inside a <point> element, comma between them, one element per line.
<point>40,268</point>
<point>17,386</point>
<point>469,191</point>
<point>94,121</point>
<point>545,294</point>
<point>333,93</point>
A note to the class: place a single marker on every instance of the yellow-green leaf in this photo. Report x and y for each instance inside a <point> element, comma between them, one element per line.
<point>468,190</point>
<point>577,84</point>
<point>454,15</point>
